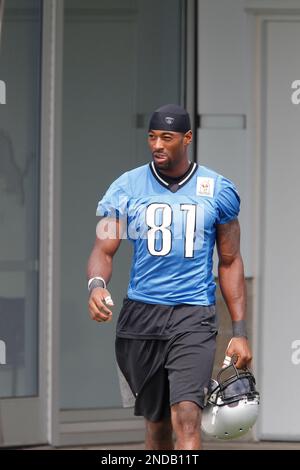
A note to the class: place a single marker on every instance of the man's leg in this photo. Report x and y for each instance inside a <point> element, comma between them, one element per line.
<point>186,421</point>
<point>159,435</point>
<point>189,363</point>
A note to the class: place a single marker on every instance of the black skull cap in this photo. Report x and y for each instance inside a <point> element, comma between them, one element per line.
<point>170,117</point>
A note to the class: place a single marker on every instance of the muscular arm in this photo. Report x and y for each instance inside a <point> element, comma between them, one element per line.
<point>100,260</point>
<point>232,285</point>
<point>100,264</point>
<point>231,269</point>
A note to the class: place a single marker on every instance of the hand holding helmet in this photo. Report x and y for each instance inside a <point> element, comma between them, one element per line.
<point>238,347</point>
<point>232,404</point>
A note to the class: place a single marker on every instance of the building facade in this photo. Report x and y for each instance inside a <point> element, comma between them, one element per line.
<point>78,81</point>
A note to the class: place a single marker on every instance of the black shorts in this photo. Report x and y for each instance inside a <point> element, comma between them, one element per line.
<point>162,372</point>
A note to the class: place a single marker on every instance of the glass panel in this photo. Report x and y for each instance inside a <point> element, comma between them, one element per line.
<point>122,59</point>
<point>19,196</point>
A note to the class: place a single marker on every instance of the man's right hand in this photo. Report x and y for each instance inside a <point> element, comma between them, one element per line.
<point>98,301</point>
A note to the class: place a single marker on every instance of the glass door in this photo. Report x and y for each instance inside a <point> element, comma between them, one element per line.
<point>122,59</point>
<point>20,52</point>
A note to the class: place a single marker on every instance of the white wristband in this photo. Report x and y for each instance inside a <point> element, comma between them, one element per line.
<point>97,277</point>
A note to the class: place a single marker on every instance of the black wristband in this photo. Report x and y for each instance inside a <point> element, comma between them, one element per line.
<point>239,329</point>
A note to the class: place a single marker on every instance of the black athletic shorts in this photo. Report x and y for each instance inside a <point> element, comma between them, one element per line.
<point>162,372</point>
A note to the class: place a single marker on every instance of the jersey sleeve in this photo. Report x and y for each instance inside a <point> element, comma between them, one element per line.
<point>114,202</point>
<point>227,201</point>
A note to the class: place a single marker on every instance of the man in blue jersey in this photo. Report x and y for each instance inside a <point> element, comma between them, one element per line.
<point>173,211</point>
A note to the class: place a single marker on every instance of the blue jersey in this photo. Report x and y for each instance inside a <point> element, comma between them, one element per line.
<point>173,231</point>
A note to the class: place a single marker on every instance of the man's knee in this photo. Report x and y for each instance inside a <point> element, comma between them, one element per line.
<point>186,417</point>
<point>159,430</point>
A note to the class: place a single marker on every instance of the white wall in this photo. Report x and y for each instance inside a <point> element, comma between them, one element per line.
<point>247,70</point>
<point>280,256</point>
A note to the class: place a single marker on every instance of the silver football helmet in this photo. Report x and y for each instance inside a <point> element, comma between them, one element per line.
<point>232,404</point>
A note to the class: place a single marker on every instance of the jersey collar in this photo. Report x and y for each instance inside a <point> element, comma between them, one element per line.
<point>173,187</point>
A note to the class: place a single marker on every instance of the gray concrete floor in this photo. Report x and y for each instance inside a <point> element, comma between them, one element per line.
<point>231,446</point>
<point>209,445</point>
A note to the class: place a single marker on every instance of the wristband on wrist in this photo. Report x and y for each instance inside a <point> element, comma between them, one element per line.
<point>96,282</point>
<point>239,329</point>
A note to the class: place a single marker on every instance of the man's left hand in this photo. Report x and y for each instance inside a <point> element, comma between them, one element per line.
<point>239,347</point>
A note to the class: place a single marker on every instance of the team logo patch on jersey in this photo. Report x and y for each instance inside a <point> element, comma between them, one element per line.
<point>205,186</point>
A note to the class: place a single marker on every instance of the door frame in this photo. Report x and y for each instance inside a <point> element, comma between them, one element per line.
<point>49,308</point>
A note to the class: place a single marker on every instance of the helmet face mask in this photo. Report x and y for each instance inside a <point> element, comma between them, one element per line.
<point>232,404</point>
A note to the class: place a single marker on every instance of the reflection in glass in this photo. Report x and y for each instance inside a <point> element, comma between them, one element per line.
<point>19,201</point>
